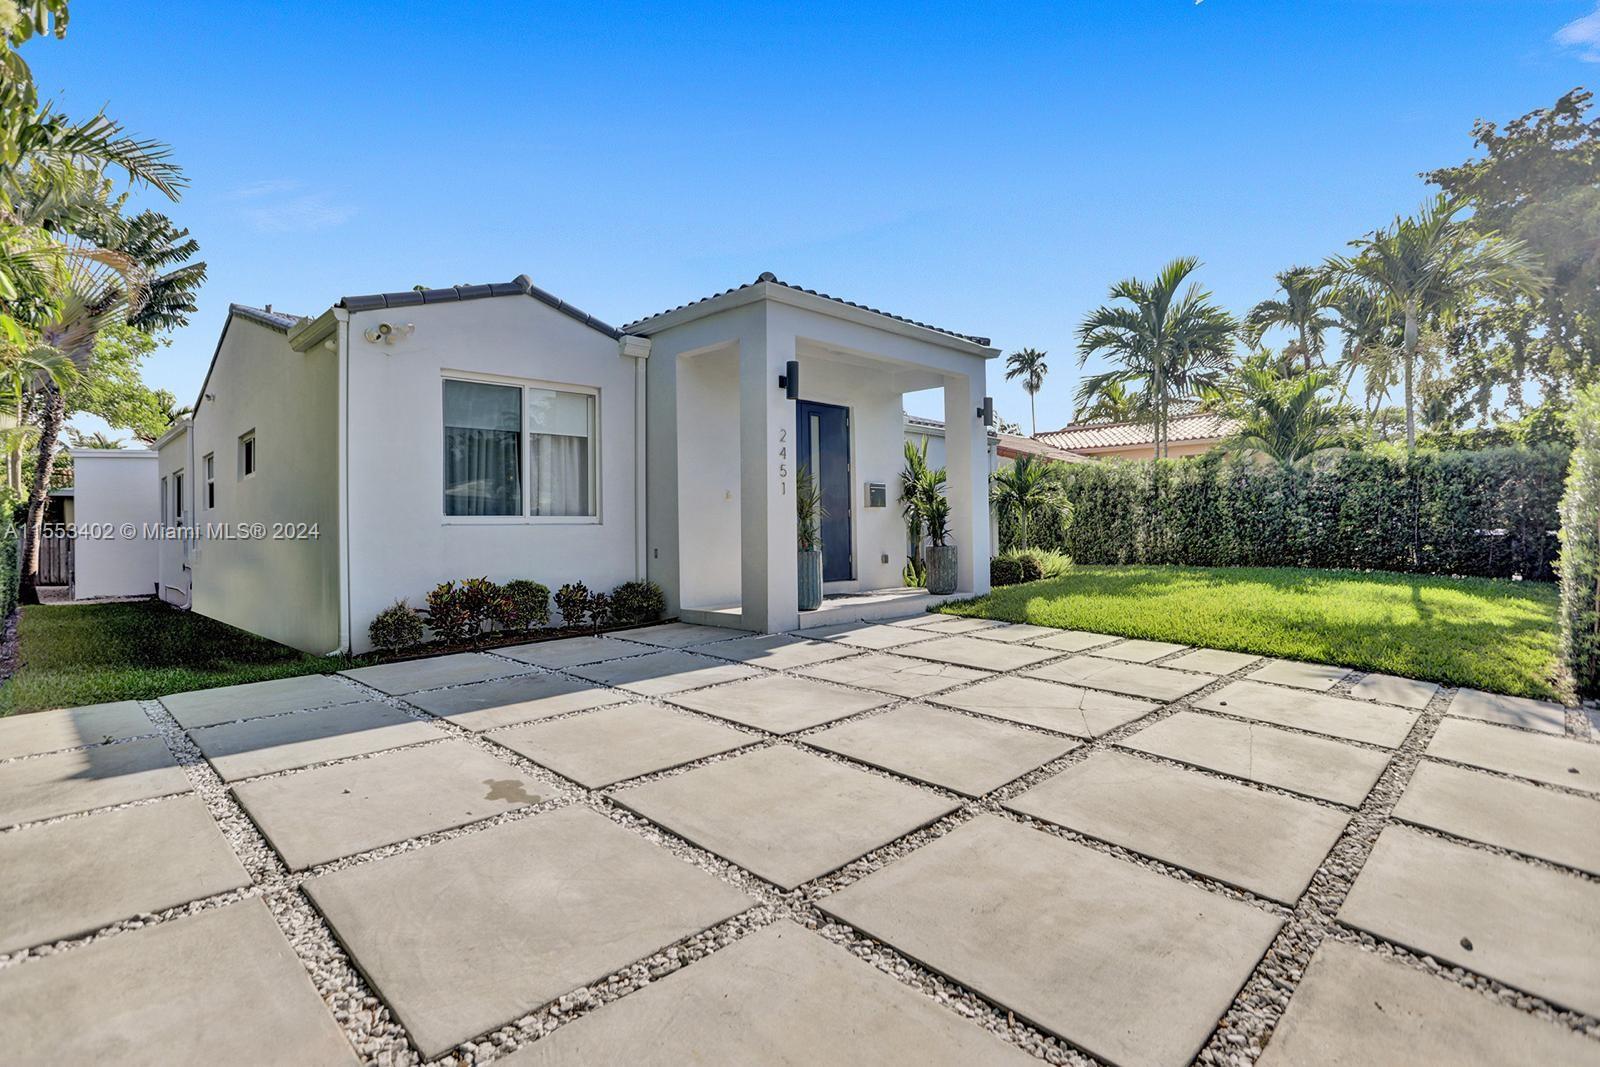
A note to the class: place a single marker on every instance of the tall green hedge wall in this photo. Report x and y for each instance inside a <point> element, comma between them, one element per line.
<point>1580,548</point>
<point>1490,512</point>
<point>10,560</point>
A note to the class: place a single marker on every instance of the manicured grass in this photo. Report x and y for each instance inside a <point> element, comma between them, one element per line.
<point>1484,633</point>
<point>73,654</point>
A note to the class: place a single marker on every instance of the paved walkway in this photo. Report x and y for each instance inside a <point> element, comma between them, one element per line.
<point>933,841</point>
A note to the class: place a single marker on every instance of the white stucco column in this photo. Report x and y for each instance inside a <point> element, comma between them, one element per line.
<point>967,479</point>
<point>770,598</point>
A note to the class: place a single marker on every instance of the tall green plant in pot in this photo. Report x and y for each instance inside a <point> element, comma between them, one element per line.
<point>808,526</point>
<point>941,554</point>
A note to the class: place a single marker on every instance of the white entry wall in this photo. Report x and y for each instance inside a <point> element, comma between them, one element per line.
<point>118,503</point>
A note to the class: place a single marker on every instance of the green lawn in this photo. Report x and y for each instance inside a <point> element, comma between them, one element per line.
<point>1484,633</point>
<point>74,654</point>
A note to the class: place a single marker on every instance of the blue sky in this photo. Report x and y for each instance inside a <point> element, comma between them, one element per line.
<point>987,168</point>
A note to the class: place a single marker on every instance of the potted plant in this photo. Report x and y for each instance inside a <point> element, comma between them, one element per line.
<point>941,554</point>
<point>808,526</point>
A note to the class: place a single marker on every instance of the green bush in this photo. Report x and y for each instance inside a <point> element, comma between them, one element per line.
<point>449,614</point>
<point>1004,570</point>
<point>397,626</point>
<point>633,603</point>
<point>522,604</point>
<point>1041,563</point>
<point>10,560</point>
<point>1488,513</point>
<point>574,601</point>
<point>1580,548</point>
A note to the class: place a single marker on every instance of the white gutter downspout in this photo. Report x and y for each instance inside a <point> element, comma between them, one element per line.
<point>342,341</point>
<point>638,348</point>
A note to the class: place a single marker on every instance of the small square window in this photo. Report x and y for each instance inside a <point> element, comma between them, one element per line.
<point>247,454</point>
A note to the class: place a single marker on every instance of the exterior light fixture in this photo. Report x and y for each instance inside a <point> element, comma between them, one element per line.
<point>986,413</point>
<point>789,380</point>
<point>384,333</point>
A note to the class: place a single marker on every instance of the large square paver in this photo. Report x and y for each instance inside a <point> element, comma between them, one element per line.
<point>1316,676</point>
<point>1313,766</point>
<point>1074,640</point>
<point>1553,826</point>
<point>464,936</point>
<point>951,624</point>
<point>788,816</point>
<point>681,634</point>
<point>782,995</point>
<point>1212,661</point>
<point>670,671</point>
<point>966,651</point>
<point>1355,1007</point>
<point>775,652</point>
<point>1131,679</point>
<point>1528,926</point>
<point>283,742</point>
<point>1510,711</point>
<point>899,675</point>
<point>1016,631</point>
<point>1556,760</point>
<point>68,782</point>
<point>329,812</point>
<point>1262,842</point>
<point>222,986</point>
<point>409,676</point>
<point>1139,651</point>
<point>573,651</point>
<point>614,744</point>
<point>944,748</point>
<point>51,731</point>
<point>877,636</point>
<point>73,877</point>
<point>1353,720</point>
<point>207,707</point>
<point>1389,689</point>
<point>508,701</point>
<point>1128,964</point>
<point>1066,709</point>
<point>780,704</point>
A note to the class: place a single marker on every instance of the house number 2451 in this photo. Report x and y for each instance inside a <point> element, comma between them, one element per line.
<point>783,461</point>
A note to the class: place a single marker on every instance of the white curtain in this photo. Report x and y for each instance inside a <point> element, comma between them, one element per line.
<point>560,473</point>
<point>482,449</point>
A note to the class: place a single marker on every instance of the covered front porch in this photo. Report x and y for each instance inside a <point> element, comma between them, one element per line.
<point>748,388</point>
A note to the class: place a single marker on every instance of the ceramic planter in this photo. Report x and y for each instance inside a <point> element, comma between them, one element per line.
<point>810,579</point>
<point>941,568</point>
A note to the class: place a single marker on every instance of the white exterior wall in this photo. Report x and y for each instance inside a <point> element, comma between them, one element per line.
<point>172,556</point>
<point>284,587</point>
<point>401,542</point>
<point>115,487</point>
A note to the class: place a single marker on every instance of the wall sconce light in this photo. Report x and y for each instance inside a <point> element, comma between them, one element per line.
<point>986,413</point>
<point>386,333</point>
<point>789,381</point>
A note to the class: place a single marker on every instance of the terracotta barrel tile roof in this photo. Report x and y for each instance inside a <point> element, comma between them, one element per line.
<point>1196,427</point>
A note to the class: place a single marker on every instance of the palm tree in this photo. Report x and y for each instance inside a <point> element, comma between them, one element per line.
<point>1425,269</point>
<point>97,439</point>
<point>1175,344</point>
<point>1114,403</point>
<point>22,370</point>
<point>1285,418</point>
<point>1308,296</point>
<point>1029,365</point>
<point>919,483</point>
<point>1031,489</point>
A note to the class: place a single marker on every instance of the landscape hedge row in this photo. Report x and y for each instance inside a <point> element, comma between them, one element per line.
<point>1580,548</point>
<point>1490,512</point>
<point>10,574</point>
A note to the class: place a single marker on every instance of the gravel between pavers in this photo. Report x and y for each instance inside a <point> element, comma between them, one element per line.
<point>1238,1039</point>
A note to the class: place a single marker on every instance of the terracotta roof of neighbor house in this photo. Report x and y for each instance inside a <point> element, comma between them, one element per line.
<point>521,285</point>
<point>1200,426</point>
<point>1012,446</point>
<point>772,279</point>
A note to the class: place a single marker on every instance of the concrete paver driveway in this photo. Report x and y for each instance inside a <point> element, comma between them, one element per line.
<point>930,841</point>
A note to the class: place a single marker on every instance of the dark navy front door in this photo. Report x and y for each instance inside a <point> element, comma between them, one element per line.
<point>822,437</point>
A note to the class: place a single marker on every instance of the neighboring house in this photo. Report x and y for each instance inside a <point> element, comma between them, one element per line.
<point>1010,446</point>
<point>1187,435</point>
<point>402,439</point>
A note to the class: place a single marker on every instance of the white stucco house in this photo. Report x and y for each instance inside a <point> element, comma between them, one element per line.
<point>336,463</point>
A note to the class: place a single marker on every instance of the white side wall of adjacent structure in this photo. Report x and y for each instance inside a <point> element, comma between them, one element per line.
<point>117,500</point>
<point>401,542</point>
<point>278,575</point>
<point>172,556</point>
